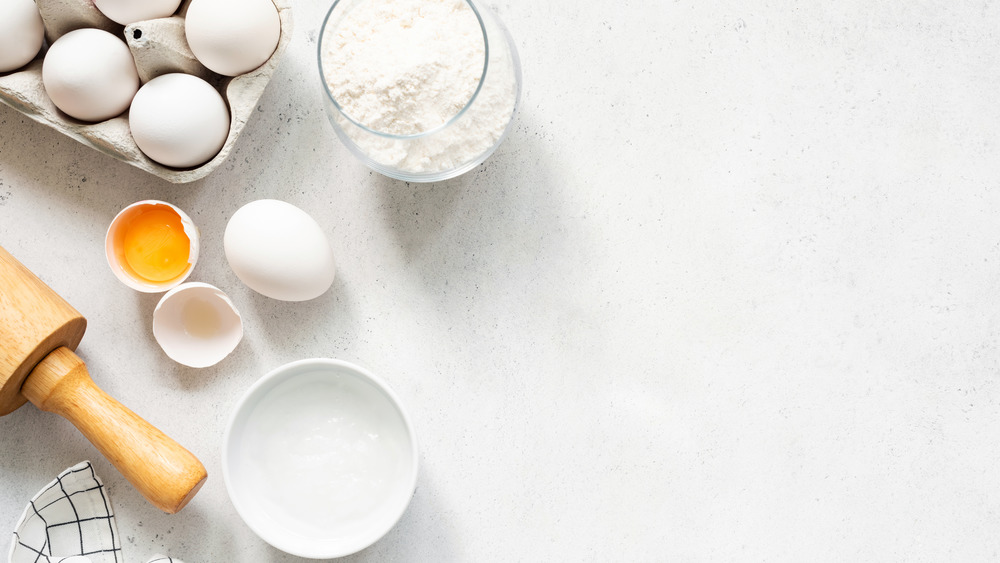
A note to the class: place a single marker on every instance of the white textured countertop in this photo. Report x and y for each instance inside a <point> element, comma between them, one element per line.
<point>727,292</point>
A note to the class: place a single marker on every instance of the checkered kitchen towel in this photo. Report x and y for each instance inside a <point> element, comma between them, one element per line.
<point>71,520</point>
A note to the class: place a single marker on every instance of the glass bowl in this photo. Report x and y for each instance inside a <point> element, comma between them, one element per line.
<point>458,145</point>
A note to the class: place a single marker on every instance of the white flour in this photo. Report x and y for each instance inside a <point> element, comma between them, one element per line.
<point>405,67</point>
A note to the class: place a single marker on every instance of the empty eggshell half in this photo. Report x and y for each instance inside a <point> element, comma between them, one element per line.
<point>197,325</point>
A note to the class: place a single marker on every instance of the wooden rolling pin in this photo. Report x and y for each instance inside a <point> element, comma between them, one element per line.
<point>38,333</point>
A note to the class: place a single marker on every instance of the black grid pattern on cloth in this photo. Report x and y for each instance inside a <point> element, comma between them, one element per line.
<point>82,528</point>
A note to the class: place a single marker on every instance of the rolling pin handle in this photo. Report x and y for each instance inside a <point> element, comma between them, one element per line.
<point>161,469</point>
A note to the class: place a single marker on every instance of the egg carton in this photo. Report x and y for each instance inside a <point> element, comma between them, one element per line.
<point>158,47</point>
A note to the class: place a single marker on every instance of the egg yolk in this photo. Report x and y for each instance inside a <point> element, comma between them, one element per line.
<point>156,246</point>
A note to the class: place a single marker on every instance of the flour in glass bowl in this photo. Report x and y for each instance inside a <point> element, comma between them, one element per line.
<point>406,67</point>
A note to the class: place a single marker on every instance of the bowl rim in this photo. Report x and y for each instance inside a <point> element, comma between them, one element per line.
<point>442,175</point>
<point>422,134</point>
<point>289,370</point>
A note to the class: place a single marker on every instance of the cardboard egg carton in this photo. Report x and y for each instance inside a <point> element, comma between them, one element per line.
<point>158,47</point>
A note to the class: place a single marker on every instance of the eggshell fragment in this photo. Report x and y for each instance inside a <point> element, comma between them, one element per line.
<point>179,120</point>
<point>21,33</point>
<point>279,251</point>
<point>89,74</point>
<point>232,37</point>
<point>197,325</point>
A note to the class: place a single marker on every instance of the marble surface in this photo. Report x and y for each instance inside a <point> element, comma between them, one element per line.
<point>727,292</point>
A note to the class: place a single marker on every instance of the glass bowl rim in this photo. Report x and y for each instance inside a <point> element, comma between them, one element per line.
<point>422,134</point>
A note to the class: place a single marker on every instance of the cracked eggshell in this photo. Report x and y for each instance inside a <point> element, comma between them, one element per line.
<point>21,33</point>
<point>114,247</point>
<point>131,11</point>
<point>197,325</point>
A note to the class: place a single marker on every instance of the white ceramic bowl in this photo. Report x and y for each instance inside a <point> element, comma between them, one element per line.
<point>320,458</point>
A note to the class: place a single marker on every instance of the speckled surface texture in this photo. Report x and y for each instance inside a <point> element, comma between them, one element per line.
<point>726,293</point>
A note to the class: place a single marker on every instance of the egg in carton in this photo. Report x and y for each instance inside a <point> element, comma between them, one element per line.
<point>158,46</point>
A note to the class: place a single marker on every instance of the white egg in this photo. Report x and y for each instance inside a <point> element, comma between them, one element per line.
<point>131,11</point>
<point>232,37</point>
<point>21,33</point>
<point>90,74</point>
<point>197,325</point>
<point>279,251</point>
<point>179,120</point>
